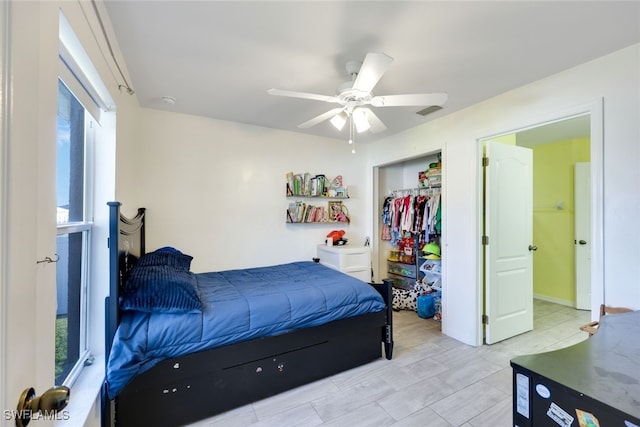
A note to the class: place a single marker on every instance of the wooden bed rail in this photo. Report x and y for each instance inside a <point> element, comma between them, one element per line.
<point>126,236</point>
<point>386,290</point>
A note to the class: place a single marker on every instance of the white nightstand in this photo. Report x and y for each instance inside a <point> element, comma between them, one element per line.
<point>352,260</point>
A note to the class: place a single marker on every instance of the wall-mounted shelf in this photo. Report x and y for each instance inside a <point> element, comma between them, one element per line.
<point>301,196</point>
<point>307,189</point>
<point>300,212</point>
<point>308,185</point>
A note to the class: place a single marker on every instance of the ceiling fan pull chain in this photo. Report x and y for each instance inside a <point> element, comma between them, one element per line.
<point>351,135</point>
<point>350,128</point>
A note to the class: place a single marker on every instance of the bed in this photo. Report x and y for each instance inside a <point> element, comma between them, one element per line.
<point>188,360</point>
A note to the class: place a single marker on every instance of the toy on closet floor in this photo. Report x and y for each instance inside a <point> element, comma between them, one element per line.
<point>425,297</point>
<point>411,299</point>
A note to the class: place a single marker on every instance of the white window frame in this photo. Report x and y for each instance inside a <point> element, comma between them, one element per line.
<point>93,94</point>
<point>84,227</point>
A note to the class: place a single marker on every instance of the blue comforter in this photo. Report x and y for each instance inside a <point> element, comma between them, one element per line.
<point>239,305</point>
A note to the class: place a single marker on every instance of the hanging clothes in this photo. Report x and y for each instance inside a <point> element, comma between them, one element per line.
<point>407,213</point>
<point>410,211</point>
<point>434,203</point>
<point>386,219</point>
<point>420,207</point>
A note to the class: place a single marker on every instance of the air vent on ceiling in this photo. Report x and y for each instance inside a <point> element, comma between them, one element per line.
<point>429,110</point>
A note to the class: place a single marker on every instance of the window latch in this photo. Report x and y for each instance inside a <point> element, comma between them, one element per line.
<point>49,259</point>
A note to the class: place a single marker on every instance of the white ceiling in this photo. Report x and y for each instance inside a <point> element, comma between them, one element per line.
<point>564,130</point>
<point>219,58</point>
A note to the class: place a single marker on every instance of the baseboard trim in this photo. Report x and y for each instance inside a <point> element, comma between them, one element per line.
<point>555,300</point>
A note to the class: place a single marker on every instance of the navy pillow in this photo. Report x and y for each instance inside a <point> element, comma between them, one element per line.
<point>160,289</point>
<point>169,249</point>
<point>166,256</point>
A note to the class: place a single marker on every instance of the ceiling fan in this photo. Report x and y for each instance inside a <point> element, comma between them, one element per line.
<point>354,97</point>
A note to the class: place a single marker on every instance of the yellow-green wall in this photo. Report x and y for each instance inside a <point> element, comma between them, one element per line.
<point>553,217</point>
<point>510,139</point>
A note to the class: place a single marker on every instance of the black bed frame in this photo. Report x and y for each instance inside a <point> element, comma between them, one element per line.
<point>189,388</point>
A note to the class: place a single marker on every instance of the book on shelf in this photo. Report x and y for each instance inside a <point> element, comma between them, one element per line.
<point>296,211</point>
<point>304,184</point>
<point>297,183</point>
<point>289,183</point>
<point>302,212</point>
<point>318,185</point>
<point>313,214</point>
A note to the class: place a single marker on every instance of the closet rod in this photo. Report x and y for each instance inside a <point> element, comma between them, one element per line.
<point>416,191</point>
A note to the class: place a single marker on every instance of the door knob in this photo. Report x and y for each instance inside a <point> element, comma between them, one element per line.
<point>533,248</point>
<point>50,402</point>
<point>582,242</point>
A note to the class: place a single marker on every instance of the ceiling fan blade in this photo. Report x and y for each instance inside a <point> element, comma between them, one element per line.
<point>303,95</point>
<point>374,121</point>
<point>372,69</point>
<point>412,100</point>
<point>321,118</point>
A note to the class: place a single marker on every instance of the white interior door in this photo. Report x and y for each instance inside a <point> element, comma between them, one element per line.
<point>28,205</point>
<point>509,252</point>
<point>582,224</point>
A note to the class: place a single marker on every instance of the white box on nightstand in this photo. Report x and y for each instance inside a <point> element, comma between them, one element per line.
<point>352,260</point>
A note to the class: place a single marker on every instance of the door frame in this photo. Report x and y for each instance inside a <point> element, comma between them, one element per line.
<point>595,111</point>
<point>4,160</point>
<point>580,170</point>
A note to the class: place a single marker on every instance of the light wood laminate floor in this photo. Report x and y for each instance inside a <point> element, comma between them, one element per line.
<point>432,381</point>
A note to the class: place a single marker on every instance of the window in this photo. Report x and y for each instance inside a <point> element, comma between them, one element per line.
<point>74,179</point>
<point>85,182</point>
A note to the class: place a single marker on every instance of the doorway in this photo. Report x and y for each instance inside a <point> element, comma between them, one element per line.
<point>557,146</point>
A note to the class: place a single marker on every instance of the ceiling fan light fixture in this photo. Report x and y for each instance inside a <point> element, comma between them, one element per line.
<point>360,120</point>
<point>338,121</point>
<point>355,96</point>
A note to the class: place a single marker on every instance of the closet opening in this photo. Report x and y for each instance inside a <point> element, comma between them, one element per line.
<point>408,226</point>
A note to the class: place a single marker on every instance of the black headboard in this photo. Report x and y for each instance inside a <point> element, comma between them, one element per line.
<point>126,244</point>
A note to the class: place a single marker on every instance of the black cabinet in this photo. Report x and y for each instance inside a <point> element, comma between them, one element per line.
<point>595,383</point>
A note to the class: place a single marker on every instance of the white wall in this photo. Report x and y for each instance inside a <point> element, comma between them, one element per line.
<point>616,79</point>
<point>216,190</point>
